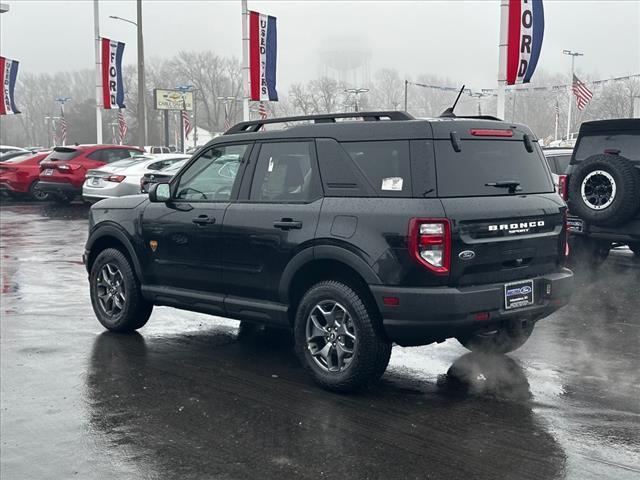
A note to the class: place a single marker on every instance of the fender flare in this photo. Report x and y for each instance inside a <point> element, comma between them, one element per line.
<point>112,230</point>
<point>325,252</point>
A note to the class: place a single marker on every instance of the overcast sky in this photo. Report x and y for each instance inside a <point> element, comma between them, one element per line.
<point>448,38</point>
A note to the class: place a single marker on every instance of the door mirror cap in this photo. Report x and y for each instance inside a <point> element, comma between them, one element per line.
<point>159,193</point>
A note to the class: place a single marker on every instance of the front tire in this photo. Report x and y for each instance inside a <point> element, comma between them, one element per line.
<point>115,293</point>
<point>339,338</point>
<point>506,338</point>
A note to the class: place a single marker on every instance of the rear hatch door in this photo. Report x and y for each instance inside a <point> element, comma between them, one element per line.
<point>496,189</point>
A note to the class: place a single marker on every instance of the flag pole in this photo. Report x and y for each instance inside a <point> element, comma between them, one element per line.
<point>96,29</point>
<point>502,57</point>
<point>245,62</point>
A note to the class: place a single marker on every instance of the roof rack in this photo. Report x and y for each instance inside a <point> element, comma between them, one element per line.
<point>255,125</point>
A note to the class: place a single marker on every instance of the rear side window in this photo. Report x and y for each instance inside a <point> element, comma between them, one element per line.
<point>63,153</point>
<point>627,143</point>
<point>563,163</point>
<point>481,162</point>
<point>385,164</point>
<point>285,172</point>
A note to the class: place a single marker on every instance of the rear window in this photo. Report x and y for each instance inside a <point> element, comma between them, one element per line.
<point>17,158</point>
<point>385,164</point>
<point>466,173</point>
<point>63,153</point>
<point>175,167</point>
<point>627,143</point>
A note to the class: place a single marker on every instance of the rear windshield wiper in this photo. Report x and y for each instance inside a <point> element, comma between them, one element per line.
<point>512,185</point>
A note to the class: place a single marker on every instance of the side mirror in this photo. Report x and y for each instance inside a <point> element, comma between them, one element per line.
<point>159,193</point>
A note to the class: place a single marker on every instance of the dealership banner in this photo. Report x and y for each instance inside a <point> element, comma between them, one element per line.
<point>8,76</point>
<point>112,85</point>
<point>524,39</point>
<point>263,46</point>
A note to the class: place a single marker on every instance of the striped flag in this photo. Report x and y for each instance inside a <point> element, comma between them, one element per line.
<point>8,75</point>
<point>122,126</point>
<point>582,93</point>
<point>524,33</point>
<point>63,128</point>
<point>262,111</point>
<point>227,121</point>
<point>263,46</point>
<point>186,123</point>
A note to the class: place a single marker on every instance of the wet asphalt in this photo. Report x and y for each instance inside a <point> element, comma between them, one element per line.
<point>193,396</point>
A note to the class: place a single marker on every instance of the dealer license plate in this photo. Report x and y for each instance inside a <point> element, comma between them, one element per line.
<point>48,171</point>
<point>518,294</point>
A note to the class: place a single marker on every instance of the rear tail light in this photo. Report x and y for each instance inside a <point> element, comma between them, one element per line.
<point>566,236</point>
<point>562,186</point>
<point>430,243</point>
<point>115,178</point>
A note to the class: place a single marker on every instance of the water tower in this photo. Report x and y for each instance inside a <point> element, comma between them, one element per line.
<point>346,59</point>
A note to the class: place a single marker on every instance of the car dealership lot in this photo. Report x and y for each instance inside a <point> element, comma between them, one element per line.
<point>193,396</point>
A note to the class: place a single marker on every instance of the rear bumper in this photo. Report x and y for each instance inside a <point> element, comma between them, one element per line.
<point>426,315</point>
<point>59,187</point>
<point>629,232</point>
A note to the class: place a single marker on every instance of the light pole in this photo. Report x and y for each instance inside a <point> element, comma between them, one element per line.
<point>573,59</point>
<point>142,114</point>
<point>356,92</point>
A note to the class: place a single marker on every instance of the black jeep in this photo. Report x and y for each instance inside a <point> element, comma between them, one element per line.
<point>604,189</point>
<point>356,234</point>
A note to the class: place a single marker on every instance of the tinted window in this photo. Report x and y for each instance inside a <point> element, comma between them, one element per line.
<point>385,164</point>
<point>466,173</point>
<point>175,167</point>
<point>63,153</point>
<point>552,164</point>
<point>212,175</point>
<point>628,144</point>
<point>285,172</point>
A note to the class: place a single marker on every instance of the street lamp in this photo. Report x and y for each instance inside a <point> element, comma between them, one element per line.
<point>356,92</point>
<point>573,59</point>
<point>142,117</point>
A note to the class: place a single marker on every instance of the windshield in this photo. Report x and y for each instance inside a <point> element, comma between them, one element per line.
<point>174,167</point>
<point>502,163</point>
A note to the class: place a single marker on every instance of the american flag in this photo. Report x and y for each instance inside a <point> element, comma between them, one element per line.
<point>186,123</point>
<point>582,93</point>
<point>227,121</point>
<point>122,126</point>
<point>557,109</point>
<point>63,128</point>
<point>262,111</point>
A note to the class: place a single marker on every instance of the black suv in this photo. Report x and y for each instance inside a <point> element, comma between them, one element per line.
<point>354,233</point>
<point>604,189</point>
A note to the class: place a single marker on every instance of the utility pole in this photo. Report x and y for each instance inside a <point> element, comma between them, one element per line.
<point>96,30</point>
<point>245,61</point>
<point>142,115</point>
<point>406,92</point>
<point>573,59</point>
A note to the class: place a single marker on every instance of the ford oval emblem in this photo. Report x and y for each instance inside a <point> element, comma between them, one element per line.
<point>467,255</point>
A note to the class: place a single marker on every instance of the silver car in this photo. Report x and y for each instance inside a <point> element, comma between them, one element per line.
<point>123,177</point>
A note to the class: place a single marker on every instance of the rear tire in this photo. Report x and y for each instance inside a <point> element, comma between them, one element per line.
<point>508,338</point>
<point>339,337</point>
<point>115,293</point>
<point>36,194</point>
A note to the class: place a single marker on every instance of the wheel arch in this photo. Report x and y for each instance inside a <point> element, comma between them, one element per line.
<point>323,263</point>
<point>110,236</point>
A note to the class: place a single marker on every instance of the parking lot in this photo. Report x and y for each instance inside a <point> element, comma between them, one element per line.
<point>194,396</point>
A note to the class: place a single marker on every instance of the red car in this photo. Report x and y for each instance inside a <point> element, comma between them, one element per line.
<point>63,171</point>
<point>19,175</point>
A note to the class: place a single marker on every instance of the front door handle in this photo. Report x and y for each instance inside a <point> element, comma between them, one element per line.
<point>288,224</point>
<point>204,220</point>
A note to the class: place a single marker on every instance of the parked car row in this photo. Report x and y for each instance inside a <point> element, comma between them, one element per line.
<point>92,171</point>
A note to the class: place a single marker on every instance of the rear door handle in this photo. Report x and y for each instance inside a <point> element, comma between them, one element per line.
<point>204,220</point>
<point>288,224</point>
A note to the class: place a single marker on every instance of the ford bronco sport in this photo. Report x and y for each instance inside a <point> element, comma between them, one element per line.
<point>359,233</point>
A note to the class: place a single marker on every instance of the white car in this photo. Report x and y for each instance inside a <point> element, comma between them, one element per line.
<point>9,148</point>
<point>123,177</point>
<point>558,160</point>
<point>153,149</point>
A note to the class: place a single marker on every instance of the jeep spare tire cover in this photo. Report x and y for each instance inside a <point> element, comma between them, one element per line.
<point>605,190</point>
